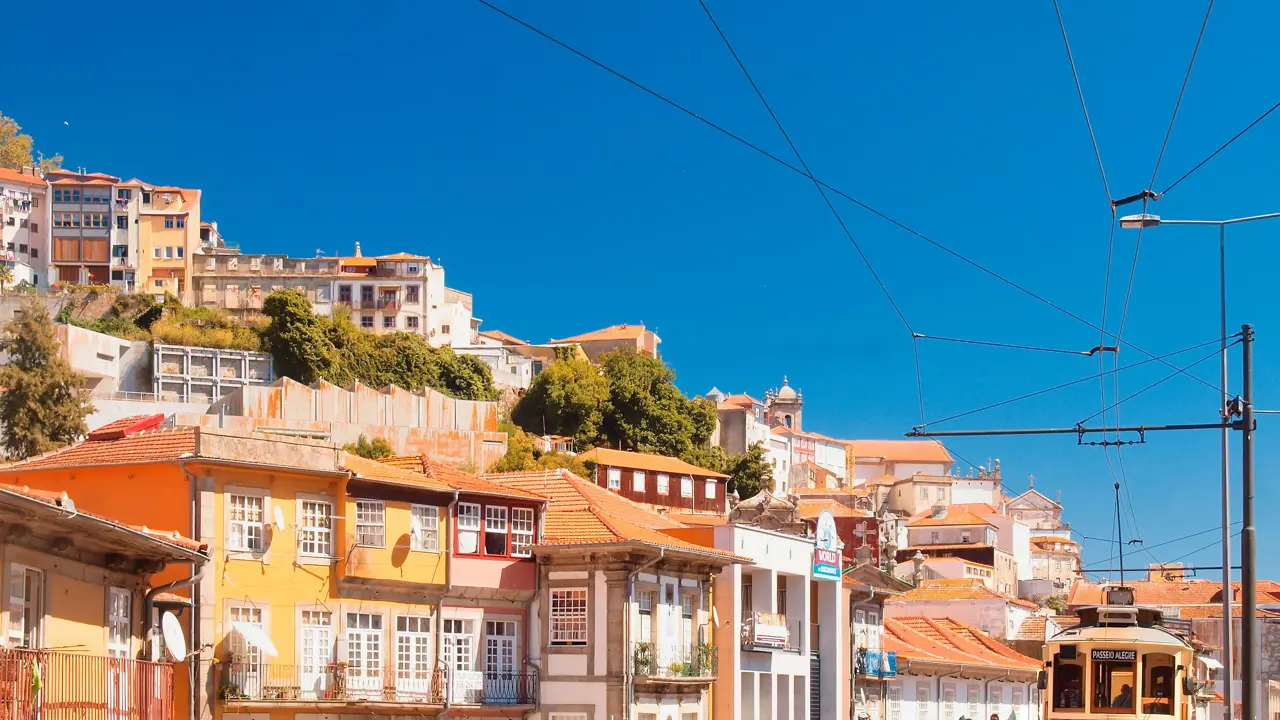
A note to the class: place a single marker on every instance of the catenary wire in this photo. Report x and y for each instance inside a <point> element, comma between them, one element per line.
<point>1215,528</point>
<point>1010,346</point>
<point>1182,91</point>
<point>1221,147</point>
<point>838,192</point>
<point>1161,381</point>
<point>1097,154</point>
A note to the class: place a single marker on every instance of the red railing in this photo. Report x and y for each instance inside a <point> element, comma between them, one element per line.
<point>48,685</point>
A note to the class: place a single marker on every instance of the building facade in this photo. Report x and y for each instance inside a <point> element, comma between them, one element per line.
<point>970,601</point>
<point>82,218</point>
<point>25,225</point>
<point>614,337</point>
<point>658,480</point>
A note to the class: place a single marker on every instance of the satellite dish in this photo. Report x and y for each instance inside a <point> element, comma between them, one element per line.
<point>257,638</point>
<point>174,641</point>
<point>279,518</point>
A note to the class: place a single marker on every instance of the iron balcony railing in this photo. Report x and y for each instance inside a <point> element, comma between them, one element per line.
<point>876,663</point>
<point>337,682</point>
<point>653,660</point>
<point>772,632</point>
<point>49,685</point>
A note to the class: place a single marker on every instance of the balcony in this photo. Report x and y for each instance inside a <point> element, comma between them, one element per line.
<point>244,683</point>
<point>121,262</point>
<point>84,686</point>
<point>876,663</point>
<point>771,632</point>
<point>388,303</point>
<point>651,662</point>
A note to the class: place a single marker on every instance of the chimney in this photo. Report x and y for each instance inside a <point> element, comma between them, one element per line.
<point>917,575</point>
<point>1031,482</point>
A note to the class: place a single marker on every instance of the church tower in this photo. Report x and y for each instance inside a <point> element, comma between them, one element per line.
<point>785,406</point>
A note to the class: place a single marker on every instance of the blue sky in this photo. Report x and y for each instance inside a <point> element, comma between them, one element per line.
<point>566,200</point>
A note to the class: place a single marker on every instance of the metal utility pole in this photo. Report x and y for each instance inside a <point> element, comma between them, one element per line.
<point>1248,555</point>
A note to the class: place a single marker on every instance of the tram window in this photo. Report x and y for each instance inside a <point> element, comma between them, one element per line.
<point>1068,684</point>
<point>1157,684</point>
<point>1113,687</point>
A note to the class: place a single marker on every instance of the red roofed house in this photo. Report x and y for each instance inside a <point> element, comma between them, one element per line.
<point>24,226</point>
<point>996,613</point>
<point>658,480</point>
<point>899,458</point>
<point>599,342</point>
<point>960,533</point>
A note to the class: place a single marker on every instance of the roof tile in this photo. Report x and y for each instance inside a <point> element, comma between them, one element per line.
<point>422,470</point>
<point>645,461</point>
<point>613,332</point>
<point>155,446</point>
<point>900,450</point>
<point>965,589</point>
<point>945,640</point>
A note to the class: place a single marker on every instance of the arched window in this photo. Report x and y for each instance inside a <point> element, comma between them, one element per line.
<point>787,419</point>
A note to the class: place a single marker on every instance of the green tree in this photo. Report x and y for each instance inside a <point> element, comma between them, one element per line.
<point>710,458</point>
<point>1056,604</point>
<point>646,412</point>
<point>296,337</point>
<point>373,450</point>
<point>750,472</point>
<point>568,398</point>
<point>465,376</point>
<point>17,147</point>
<point>523,456</point>
<point>6,276</point>
<point>43,404</point>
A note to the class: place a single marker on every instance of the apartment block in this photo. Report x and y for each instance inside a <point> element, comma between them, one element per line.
<point>168,222</point>
<point>239,283</point>
<point>82,221</point>
<point>24,225</point>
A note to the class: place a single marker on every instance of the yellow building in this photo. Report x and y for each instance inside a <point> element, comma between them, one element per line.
<point>168,222</point>
<point>79,608</point>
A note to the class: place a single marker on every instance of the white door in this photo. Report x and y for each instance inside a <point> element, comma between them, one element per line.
<point>364,656</point>
<point>413,659</point>
<point>317,649</point>
<point>668,629</point>
<point>119,614</point>
<point>500,678</point>
<point>246,660</point>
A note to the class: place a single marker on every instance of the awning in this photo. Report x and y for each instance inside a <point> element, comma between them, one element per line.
<point>255,636</point>
<point>1210,662</point>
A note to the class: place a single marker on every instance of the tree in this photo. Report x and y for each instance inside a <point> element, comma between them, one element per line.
<point>568,398</point>
<point>1056,604</point>
<point>373,450</point>
<point>750,472</point>
<point>295,337</point>
<point>646,412</point>
<point>43,404</point>
<point>465,376</point>
<point>6,276</point>
<point>17,148</point>
<point>522,456</point>
<point>710,458</point>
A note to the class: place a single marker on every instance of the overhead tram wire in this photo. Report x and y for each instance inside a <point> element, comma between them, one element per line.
<point>1097,154</point>
<point>1221,147</point>
<point>1154,385</point>
<point>835,190</point>
<point>1216,528</point>
<point>1011,346</point>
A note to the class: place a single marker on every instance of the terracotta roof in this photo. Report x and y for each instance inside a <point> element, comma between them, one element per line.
<point>14,176</point>
<point>76,180</point>
<point>810,509</point>
<point>730,407</point>
<point>1032,629</point>
<point>645,461</point>
<point>743,399</point>
<point>109,446</point>
<point>698,519</point>
<point>359,261</point>
<point>613,332</point>
<point>882,480</point>
<point>943,640</point>
<point>504,337</point>
<point>582,513</point>
<point>94,178</point>
<point>423,471</point>
<point>1050,540</point>
<point>1197,612</point>
<point>1189,592</point>
<point>900,450</point>
<point>952,517</point>
<point>858,491</point>
<point>59,499</point>
<point>967,589</point>
<point>403,256</point>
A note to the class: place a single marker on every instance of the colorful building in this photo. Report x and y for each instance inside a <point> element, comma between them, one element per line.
<point>658,480</point>
<point>614,337</point>
<point>168,222</point>
<point>24,225</point>
<point>82,218</point>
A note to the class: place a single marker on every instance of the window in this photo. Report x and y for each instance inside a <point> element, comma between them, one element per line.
<point>411,293</point>
<point>413,649</point>
<point>567,716</point>
<point>569,616</point>
<point>965,536</point>
<point>238,647</point>
<point>168,253</point>
<point>411,322</point>
<point>457,644</point>
<point>119,622</point>
<point>366,322</point>
<point>364,650</point>
<point>924,493</point>
<point>370,523</point>
<point>124,194</point>
<point>366,293</point>
<point>645,630</point>
<point>686,619</point>
<point>747,601</point>
<point>244,523</point>
<point>686,486</point>
<point>922,701</point>
<point>181,250</point>
<point>159,283</point>
<point>1017,699</point>
<point>615,478</point>
<point>182,222</point>
<point>168,223</point>
<point>711,489</point>
<point>317,644</point>
<point>495,530</point>
<point>933,537</point>
<point>146,197</point>
<point>122,222</point>
<point>155,252</point>
<point>315,537</point>
<point>500,649</point>
<point>424,533</point>
<point>974,694</point>
<point>664,484</point>
<point>444,329</point>
<point>895,701</point>
<point>35,228</point>
<point>521,531</point>
<point>1113,687</point>
<point>948,700</point>
<point>468,528</point>
<point>388,321</point>
<point>941,494</point>
<point>344,294</point>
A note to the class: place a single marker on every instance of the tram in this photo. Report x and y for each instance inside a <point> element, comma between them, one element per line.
<point>1120,663</point>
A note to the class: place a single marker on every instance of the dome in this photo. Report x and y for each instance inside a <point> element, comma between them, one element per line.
<point>786,393</point>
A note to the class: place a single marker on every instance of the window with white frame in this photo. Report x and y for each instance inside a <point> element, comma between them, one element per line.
<point>923,710</point>
<point>948,700</point>
<point>315,532</point>
<point>873,630</point>
<point>413,648</point>
<point>568,616</point>
<point>371,528</point>
<point>933,536</point>
<point>521,532</point>
<point>974,694</point>
<point>686,619</point>
<point>689,716</point>
<point>895,701</point>
<point>316,641</point>
<point>468,528</point>
<point>644,633</point>
<point>495,530</point>
<point>1017,699</point>
<point>711,489</point>
<point>664,484</point>
<point>924,493</point>
<point>686,486</point>
<point>637,481</point>
<point>364,646</point>
<point>119,622</point>
<point>615,478</point>
<point>26,606</point>
<point>424,531</point>
<point>458,643</point>
<point>241,651</point>
<point>941,494</point>
<point>244,523</point>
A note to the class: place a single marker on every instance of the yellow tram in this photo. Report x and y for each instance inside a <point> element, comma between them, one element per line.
<point>1118,663</point>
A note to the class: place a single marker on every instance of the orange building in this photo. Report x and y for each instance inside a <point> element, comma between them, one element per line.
<point>168,220</point>
<point>337,582</point>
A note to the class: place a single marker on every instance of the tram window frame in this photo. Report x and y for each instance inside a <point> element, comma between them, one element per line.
<point>1104,686</point>
<point>1061,669</point>
<point>1158,664</point>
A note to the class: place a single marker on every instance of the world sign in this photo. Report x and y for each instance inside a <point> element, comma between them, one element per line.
<point>826,554</point>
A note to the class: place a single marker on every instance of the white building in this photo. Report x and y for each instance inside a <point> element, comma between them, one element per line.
<point>510,368</point>
<point>24,226</point>
<point>897,458</point>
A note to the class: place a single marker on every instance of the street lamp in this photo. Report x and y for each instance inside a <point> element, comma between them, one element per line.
<point>1248,565</point>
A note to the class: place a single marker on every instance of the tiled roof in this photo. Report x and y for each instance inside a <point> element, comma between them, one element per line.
<point>810,509</point>
<point>421,470</point>
<point>1190,592</point>
<point>58,499</point>
<point>900,450</point>
<point>581,513</point>
<point>402,256</point>
<point>952,517</point>
<point>613,332</point>
<point>943,640</point>
<point>859,491</point>
<point>126,426</point>
<point>967,589</point>
<point>1052,539</point>
<point>13,176</point>
<point>730,407</point>
<point>1032,629</point>
<point>645,461</point>
<point>743,399</point>
<point>1197,612</point>
<point>110,448</point>
<point>698,519</point>
<point>503,337</point>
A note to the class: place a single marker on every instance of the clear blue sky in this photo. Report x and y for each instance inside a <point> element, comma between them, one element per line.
<point>566,200</point>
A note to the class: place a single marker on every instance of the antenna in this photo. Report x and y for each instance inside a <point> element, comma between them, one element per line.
<point>1120,530</point>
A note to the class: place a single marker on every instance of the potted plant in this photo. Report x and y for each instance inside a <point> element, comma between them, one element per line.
<point>678,668</point>
<point>231,691</point>
<point>705,656</point>
<point>337,679</point>
<point>644,658</point>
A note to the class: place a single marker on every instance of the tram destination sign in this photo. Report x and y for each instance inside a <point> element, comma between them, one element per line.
<point>1114,655</point>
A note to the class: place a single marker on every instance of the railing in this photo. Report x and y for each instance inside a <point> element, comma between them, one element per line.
<point>495,688</point>
<point>651,660</point>
<point>389,302</point>
<point>772,632</point>
<point>45,684</point>
<point>876,663</point>
<point>336,682</point>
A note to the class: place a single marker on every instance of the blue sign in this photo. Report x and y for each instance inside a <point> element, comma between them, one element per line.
<point>826,555</point>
